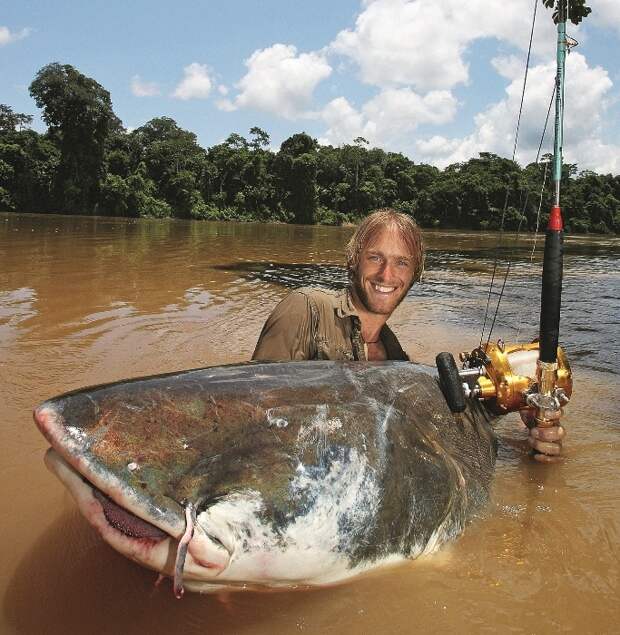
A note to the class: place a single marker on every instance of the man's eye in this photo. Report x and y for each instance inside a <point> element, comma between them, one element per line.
<point>403,263</point>
<point>374,258</point>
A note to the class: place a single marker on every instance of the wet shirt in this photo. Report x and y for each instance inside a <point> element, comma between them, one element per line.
<point>318,324</point>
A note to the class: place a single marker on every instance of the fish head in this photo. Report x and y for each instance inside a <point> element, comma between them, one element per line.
<point>132,468</point>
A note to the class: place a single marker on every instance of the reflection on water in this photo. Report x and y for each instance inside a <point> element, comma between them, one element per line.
<point>89,300</point>
<point>290,275</point>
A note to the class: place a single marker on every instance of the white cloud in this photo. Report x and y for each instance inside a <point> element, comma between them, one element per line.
<point>417,51</point>
<point>388,116</point>
<point>594,154</point>
<point>401,109</point>
<point>606,13</point>
<point>196,83</point>
<point>279,81</point>
<point>508,66</point>
<point>344,121</point>
<point>423,43</point>
<point>436,148</point>
<point>6,37</point>
<point>587,91</point>
<point>141,88</point>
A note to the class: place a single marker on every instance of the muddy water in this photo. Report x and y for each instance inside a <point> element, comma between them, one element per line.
<point>85,301</point>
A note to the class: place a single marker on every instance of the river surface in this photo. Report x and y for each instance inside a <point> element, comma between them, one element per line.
<point>91,300</point>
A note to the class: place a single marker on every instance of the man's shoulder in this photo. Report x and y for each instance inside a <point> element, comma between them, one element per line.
<point>308,300</point>
<point>320,296</point>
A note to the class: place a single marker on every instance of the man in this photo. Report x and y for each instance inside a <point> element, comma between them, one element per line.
<point>385,256</point>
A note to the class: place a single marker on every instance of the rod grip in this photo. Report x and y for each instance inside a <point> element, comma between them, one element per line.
<point>551,295</point>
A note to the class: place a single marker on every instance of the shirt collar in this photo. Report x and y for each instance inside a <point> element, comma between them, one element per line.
<point>345,308</point>
<point>344,304</point>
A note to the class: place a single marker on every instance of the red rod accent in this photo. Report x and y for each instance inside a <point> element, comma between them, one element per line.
<point>555,219</point>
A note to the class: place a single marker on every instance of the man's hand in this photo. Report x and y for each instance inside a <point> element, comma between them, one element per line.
<point>546,441</point>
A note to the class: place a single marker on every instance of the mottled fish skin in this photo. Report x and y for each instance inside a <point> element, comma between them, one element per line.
<point>301,472</point>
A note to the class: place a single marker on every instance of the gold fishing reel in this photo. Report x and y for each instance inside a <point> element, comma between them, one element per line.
<point>507,377</point>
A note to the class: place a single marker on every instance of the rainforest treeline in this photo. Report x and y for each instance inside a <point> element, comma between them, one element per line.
<point>87,163</point>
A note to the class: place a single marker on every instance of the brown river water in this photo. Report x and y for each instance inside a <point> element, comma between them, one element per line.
<point>90,300</point>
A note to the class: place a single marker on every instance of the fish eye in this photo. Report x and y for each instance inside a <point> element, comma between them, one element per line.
<point>216,541</point>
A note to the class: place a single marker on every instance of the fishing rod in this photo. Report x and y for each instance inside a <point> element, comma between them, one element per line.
<point>549,396</point>
<point>510,377</point>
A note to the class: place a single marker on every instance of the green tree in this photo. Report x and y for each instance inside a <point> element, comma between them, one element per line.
<point>227,162</point>
<point>79,115</point>
<point>174,162</point>
<point>88,162</point>
<point>259,191</point>
<point>260,138</point>
<point>11,121</point>
<point>296,165</point>
<point>576,10</point>
<point>29,162</point>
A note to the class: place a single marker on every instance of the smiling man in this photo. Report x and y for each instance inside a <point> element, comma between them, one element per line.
<point>385,256</point>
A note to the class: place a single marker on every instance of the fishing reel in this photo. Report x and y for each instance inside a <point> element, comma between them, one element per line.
<point>507,377</point>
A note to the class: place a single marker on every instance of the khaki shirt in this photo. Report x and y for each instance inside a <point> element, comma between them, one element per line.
<point>318,324</point>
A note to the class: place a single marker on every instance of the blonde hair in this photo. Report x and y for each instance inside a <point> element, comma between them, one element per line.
<point>379,220</point>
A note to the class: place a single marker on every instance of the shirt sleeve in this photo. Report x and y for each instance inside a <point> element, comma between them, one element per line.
<point>287,333</point>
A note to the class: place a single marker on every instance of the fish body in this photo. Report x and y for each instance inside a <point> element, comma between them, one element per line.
<point>300,473</point>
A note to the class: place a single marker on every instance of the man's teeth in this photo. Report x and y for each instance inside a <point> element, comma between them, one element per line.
<point>382,289</point>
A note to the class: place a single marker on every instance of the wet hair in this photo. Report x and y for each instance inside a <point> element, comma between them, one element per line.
<point>379,220</point>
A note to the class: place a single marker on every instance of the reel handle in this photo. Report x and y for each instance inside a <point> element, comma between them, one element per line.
<point>450,382</point>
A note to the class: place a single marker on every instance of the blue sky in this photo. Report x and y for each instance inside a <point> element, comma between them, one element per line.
<point>438,80</point>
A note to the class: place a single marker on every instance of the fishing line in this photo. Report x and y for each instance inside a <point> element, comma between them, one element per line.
<point>523,210</point>
<point>542,189</point>
<point>542,138</point>
<point>514,154</point>
<point>527,68</point>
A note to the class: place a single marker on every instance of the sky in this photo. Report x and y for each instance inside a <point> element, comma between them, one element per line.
<point>438,80</point>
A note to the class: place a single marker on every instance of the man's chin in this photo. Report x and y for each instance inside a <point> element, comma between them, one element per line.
<point>380,306</point>
<point>379,309</point>
<point>374,304</point>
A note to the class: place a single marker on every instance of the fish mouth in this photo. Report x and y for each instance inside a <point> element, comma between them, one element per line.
<point>74,446</point>
<point>90,499</point>
<point>122,516</point>
<point>126,532</point>
<point>124,521</point>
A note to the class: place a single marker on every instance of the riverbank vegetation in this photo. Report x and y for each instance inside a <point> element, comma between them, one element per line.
<point>88,163</point>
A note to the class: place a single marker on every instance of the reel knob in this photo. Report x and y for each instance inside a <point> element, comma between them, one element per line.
<point>450,382</point>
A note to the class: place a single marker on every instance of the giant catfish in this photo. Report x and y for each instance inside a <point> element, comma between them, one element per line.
<point>271,474</point>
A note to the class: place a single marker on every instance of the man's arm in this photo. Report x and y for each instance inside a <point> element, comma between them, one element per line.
<point>287,333</point>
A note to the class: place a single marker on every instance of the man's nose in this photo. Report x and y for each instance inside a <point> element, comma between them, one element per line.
<point>387,270</point>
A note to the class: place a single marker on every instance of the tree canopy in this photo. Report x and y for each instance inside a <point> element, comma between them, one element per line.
<point>79,115</point>
<point>575,10</point>
<point>88,163</point>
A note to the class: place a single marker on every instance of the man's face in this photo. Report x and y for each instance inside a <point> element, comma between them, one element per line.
<point>384,273</point>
